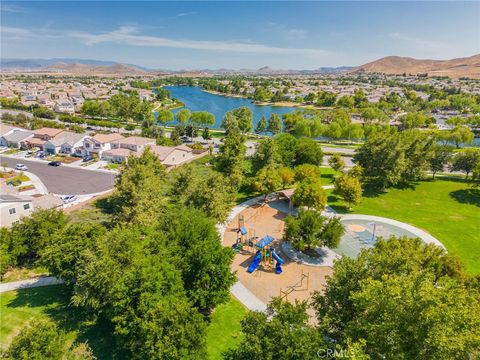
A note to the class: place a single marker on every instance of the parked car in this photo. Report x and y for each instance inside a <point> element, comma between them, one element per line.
<point>54,163</point>
<point>40,154</point>
<point>69,198</point>
<point>87,158</point>
<point>21,167</point>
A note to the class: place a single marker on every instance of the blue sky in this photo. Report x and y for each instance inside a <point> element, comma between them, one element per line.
<point>196,35</point>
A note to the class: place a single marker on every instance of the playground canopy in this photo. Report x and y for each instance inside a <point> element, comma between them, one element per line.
<point>264,242</point>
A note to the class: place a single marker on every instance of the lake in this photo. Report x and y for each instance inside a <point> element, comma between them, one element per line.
<point>195,99</point>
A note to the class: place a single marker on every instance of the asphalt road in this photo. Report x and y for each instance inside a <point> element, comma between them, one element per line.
<point>66,180</point>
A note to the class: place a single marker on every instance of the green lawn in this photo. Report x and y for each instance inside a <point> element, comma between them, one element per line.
<point>449,209</point>
<point>17,308</point>
<point>223,332</point>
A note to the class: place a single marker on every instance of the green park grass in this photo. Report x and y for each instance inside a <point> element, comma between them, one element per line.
<point>449,209</point>
<point>17,308</point>
<point>224,332</point>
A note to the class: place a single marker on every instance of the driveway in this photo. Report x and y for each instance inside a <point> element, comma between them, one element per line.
<point>66,180</point>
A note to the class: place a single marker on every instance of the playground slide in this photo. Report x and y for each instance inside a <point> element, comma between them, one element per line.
<point>277,258</point>
<point>256,261</point>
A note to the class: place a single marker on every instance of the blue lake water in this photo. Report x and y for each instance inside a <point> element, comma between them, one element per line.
<point>195,99</point>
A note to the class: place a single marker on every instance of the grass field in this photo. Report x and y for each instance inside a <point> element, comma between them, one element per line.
<point>449,209</point>
<point>224,330</point>
<point>17,308</point>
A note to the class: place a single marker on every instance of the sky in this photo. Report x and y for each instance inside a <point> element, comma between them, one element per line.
<point>235,35</point>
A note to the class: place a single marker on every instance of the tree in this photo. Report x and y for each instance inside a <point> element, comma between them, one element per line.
<point>460,135</point>
<point>414,120</point>
<point>202,260</point>
<point>346,101</point>
<point>391,296</point>
<point>133,278</point>
<point>261,126</point>
<point>164,116</point>
<point>307,172</point>
<point>310,230</point>
<point>267,180</point>
<point>372,115</point>
<point>240,119</point>
<point>231,157</point>
<point>287,147</point>
<point>202,118</point>
<point>287,175</point>
<point>282,332</point>
<point>138,194</point>
<point>336,162</point>
<point>382,157</point>
<point>33,233</point>
<point>476,174</point>
<point>274,124</point>
<point>211,194</point>
<point>309,193</point>
<point>349,188</point>
<point>308,152</point>
<point>465,161</point>
<point>41,339</point>
<point>182,116</point>
<point>64,250</point>
<point>266,154</point>
<point>439,158</point>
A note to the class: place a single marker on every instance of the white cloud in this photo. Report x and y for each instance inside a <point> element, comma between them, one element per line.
<point>129,35</point>
<point>418,42</point>
<point>186,14</point>
<point>288,33</point>
<point>8,30</point>
<point>12,8</point>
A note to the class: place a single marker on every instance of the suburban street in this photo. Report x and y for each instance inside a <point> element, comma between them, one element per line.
<point>63,180</point>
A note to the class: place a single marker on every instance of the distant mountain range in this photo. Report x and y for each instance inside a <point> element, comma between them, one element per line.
<point>72,66</point>
<point>461,67</point>
<point>455,68</point>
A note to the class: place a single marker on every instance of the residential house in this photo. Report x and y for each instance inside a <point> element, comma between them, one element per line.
<point>98,144</point>
<point>13,208</point>
<point>64,106</point>
<point>6,130</point>
<point>40,137</point>
<point>16,138</point>
<point>66,142</point>
<point>123,148</point>
<point>173,156</point>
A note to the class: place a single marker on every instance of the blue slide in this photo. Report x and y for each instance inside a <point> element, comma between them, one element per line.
<point>277,258</point>
<point>256,261</point>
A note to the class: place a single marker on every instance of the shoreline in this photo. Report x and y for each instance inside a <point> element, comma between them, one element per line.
<point>266,103</point>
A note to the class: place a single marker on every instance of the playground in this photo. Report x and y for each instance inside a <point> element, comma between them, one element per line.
<point>268,267</point>
<point>261,265</point>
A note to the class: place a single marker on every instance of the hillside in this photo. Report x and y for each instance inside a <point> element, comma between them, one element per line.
<point>455,68</point>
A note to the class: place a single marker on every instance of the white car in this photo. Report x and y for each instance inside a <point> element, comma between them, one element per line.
<point>21,167</point>
<point>69,198</point>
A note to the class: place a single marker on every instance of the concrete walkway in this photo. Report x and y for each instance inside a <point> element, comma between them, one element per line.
<point>30,283</point>
<point>426,237</point>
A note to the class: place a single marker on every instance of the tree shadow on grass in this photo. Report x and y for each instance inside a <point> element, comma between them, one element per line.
<point>467,196</point>
<point>55,300</point>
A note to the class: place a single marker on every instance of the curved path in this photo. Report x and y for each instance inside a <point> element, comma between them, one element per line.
<point>30,283</point>
<point>66,180</point>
